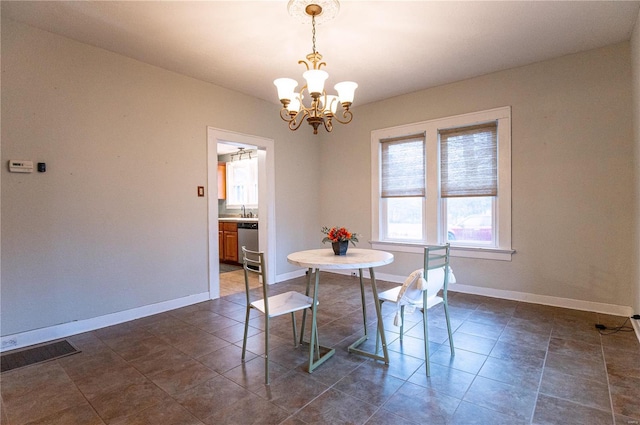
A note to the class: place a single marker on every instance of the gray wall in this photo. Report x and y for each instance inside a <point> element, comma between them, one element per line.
<point>573,191</point>
<point>115,222</point>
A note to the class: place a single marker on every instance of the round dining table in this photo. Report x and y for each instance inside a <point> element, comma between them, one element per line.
<point>355,258</point>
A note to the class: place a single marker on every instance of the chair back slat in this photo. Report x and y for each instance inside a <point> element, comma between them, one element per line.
<point>253,263</point>
<point>436,257</point>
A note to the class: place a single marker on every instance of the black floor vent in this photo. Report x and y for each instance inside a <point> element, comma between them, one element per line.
<point>39,354</point>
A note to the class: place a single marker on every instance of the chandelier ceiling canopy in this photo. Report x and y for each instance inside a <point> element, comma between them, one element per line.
<point>323,107</point>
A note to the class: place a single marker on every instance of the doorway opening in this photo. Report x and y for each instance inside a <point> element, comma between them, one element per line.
<point>221,145</point>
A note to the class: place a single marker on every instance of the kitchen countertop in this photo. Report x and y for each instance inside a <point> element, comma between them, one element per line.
<point>239,219</point>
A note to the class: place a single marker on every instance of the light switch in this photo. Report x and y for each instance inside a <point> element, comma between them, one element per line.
<point>200,191</point>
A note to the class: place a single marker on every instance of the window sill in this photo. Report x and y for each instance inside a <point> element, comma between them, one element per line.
<point>456,251</point>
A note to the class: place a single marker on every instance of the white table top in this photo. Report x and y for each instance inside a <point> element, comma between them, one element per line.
<point>356,258</point>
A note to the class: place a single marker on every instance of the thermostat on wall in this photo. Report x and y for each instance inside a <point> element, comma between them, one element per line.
<point>19,166</point>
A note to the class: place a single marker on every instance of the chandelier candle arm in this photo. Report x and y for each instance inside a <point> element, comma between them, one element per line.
<point>323,106</point>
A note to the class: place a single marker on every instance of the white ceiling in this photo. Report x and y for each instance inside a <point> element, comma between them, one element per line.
<point>388,47</point>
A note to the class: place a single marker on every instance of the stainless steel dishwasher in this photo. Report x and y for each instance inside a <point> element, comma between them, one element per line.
<point>247,237</point>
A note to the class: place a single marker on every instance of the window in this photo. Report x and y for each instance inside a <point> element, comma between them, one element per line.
<point>446,180</point>
<point>403,187</point>
<point>242,183</point>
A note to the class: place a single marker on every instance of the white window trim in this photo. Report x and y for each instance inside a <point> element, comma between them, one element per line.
<point>504,250</point>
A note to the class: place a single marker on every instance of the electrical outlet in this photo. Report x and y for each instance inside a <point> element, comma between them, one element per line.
<point>9,343</point>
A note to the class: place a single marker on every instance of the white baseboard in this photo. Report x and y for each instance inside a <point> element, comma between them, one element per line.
<point>612,309</point>
<point>37,336</point>
<point>290,275</point>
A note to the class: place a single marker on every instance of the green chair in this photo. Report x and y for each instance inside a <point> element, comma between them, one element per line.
<point>270,306</point>
<point>420,290</point>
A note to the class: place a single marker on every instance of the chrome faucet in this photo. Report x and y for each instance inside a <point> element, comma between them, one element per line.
<point>243,212</point>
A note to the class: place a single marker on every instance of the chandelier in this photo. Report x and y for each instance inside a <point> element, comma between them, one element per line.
<point>323,106</point>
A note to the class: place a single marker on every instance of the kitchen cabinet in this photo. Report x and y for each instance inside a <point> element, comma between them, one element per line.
<point>228,241</point>
<point>222,180</point>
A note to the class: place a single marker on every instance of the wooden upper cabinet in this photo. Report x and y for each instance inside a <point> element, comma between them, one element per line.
<point>222,180</point>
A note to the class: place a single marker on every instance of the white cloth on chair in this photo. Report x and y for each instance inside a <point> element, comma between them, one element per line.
<point>410,293</point>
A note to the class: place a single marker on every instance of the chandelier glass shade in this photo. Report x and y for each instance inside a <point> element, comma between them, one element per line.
<point>320,108</point>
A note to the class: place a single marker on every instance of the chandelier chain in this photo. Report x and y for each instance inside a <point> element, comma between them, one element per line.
<point>313,32</point>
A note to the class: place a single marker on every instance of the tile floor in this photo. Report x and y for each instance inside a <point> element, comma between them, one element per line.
<point>515,363</point>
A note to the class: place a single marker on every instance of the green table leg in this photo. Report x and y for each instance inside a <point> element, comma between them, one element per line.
<point>353,348</point>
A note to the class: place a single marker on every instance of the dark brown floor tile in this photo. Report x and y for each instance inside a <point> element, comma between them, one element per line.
<point>422,405</point>
<point>524,339</point>
<point>41,402</point>
<point>515,351</point>
<point>201,345</point>
<point>128,371</point>
<point>444,379</point>
<point>87,342</point>
<point>384,417</point>
<point>211,397</point>
<point>168,413</point>
<point>79,414</point>
<point>489,317</point>
<point>19,382</point>
<point>126,340</point>
<point>335,368</point>
<point>182,377</point>
<point>463,360</point>
<point>625,398</point>
<point>470,414</point>
<point>534,326</point>
<point>127,401</point>
<point>473,343</point>
<point>622,341</point>
<point>622,362</point>
<point>3,414</point>
<point>106,379</point>
<point>572,347</point>
<point>578,390</point>
<point>576,367</point>
<point>413,347</point>
<point>223,306</point>
<point>402,367</point>
<point>335,407</point>
<point>481,329</point>
<point>160,360</point>
<point>525,373</point>
<point>250,374</point>
<point>255,343</point>
<point>225,359</point>
<point>578,330</point>
<point>87,365</point>
<point>626,420</point>
<point>436,334</point>
<point>504,398</point>
<point>248,410</point>
<point>550,410</point>
<point>144,347</point>
<point>235,333</point>
<point>370,382</point>
<point>292,391</point>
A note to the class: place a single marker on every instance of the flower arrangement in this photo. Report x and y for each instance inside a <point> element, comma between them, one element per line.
<point>339,234</point>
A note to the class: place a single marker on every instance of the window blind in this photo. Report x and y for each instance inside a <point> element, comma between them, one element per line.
<point>403,167</point>
<point>469,161</point>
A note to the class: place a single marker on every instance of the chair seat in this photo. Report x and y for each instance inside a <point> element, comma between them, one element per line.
<point>284,303</point>
<point>391,295</point>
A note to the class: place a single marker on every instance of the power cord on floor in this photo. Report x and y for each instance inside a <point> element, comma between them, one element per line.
<point>612,330</point>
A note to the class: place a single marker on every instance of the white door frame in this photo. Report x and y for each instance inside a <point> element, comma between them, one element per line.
<point>266,200</point>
